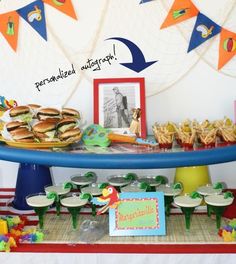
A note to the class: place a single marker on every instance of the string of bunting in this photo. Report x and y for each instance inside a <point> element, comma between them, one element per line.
<point>34,15</point>
<point>204,29</point>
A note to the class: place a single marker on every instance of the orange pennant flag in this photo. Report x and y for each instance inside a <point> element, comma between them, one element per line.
<point>181,10</point>
<point>9,26</point>
<point>227,48</point>
<point>65,6</point>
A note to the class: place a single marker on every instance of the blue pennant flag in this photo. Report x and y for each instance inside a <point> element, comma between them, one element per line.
<point>145,1</point>
<point>204,29</point>
<point>35,16</point>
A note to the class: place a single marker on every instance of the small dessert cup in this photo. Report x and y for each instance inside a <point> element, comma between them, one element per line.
<point>218,203</point>
<point>60,190</point>
<point>187,204</point>
<point>82,180</point>
<point>170,191</point>
<point>210,189</point>
<point>95,191</point>
<point>40,203</point>
<point>121,180</point>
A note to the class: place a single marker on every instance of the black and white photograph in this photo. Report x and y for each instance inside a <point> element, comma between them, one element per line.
<point>116,104</point>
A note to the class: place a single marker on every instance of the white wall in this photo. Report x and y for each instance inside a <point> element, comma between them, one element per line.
<point>179,86</point>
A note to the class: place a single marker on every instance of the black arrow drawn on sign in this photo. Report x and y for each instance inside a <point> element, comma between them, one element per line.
<point>139,63</point>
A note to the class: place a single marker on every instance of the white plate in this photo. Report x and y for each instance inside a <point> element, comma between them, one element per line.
<point>208,190</point>
<point>39,201</point>
<point>187,201</point>
<point>218,200</point>
<point>57,189</point>
<point>73,201</point>
<point>168,190</point>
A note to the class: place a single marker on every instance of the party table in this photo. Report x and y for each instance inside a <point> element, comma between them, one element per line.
<point>122,156</point>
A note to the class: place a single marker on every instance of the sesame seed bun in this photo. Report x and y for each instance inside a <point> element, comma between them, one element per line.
<point>44,126</point>
<point>19,110</point>
<point>23,135</point>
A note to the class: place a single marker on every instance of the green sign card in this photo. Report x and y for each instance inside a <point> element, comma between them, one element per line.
<point>138,214</point>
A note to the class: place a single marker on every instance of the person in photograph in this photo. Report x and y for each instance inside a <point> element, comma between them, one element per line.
<point>120,108</point>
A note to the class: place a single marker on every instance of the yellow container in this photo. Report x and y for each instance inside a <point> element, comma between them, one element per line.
<point>192,177</point>
<point>3,227</point>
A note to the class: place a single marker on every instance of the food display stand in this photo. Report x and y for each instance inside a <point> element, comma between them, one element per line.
<point>143,158</point>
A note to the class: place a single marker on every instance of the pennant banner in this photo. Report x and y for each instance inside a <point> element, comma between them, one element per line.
<point>227,48</point>
<point>180,11</point>
<point>203,30</point>
<point>9,26</point>
<point>35,16</point>
<point>65,6</point>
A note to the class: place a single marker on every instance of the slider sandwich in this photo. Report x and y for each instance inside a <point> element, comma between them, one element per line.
<point>24,136</point>
<point>16,126</point>
<point>45,131</point>
<point>66,124</point>
<point>71,135</point>
<point>70,112</point>
<point>21,113</point>
<point>51,114</point>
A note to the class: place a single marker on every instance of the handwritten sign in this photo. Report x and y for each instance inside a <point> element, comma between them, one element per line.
<point>138,214</point>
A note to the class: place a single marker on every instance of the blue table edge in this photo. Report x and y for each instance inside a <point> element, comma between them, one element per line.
<point>120,161</point>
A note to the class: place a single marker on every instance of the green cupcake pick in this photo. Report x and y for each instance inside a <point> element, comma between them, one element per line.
<point>161,179</point>
<point>87,196</point>
<point>228,195</point>
<point>130,176</point>
<point>103,185</point>
<point>218,186</point>
<point>90,174</point>
<point>195,195</point>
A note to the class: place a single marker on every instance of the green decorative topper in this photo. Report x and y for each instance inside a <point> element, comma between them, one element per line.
<point>144,186</point>
<point>68,185</point>
<point>177,186</point>
<point>228,195</point>
<point>130,176</point>
<point>90,174</point>
<point>195,195</point>
<point>53,195</point>
<point>161,179</point>
<point>103,185</point>
<point>218,186</point>
<point>87,196</point>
